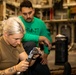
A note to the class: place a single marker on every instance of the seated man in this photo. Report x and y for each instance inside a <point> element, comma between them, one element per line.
<point>36,33</point>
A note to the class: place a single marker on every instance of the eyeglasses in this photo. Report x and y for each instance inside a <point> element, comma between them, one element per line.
<point>29,13</point>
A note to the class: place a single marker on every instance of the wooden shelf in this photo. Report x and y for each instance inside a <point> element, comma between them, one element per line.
<point>41,6</point>
<point>61,20</point>
<point>15,4</point>
<point>69,4</point>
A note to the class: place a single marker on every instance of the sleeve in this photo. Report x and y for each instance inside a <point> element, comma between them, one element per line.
<point>20,48</point>
<point>30,37</point>
<point>47,34</point>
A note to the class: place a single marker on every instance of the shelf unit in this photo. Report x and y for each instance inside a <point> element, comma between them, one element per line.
<point>57,24</point>
<point>69,3</point>
<point>60,21</point>
<point>43,12</point>
<point>10,8</point>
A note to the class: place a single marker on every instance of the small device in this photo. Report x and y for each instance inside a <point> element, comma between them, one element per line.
<point>33,52</point>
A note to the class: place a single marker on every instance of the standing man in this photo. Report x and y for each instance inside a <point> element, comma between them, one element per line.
<point>36,34</point>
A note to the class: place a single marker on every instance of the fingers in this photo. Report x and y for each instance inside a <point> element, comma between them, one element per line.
<point>49,46</point>
<point>22,66</point>
<point>44,61</point>
<point>45,41</point>
<point>39,51</point>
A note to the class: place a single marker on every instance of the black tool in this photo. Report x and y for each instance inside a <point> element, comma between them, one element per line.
<point>33,52</point>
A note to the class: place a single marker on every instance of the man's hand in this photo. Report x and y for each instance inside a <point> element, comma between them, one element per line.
<point>38,54</point>
<point>22,66</point>
<point>44,59</point>
<point>45,41</point>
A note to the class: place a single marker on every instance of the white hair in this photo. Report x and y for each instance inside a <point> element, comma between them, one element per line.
<point>13,25</point>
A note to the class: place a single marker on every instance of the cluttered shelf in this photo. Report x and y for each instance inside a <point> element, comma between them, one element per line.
<point>60,20</point>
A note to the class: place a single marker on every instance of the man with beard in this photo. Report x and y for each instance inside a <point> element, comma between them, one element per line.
<point>36,35</point>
